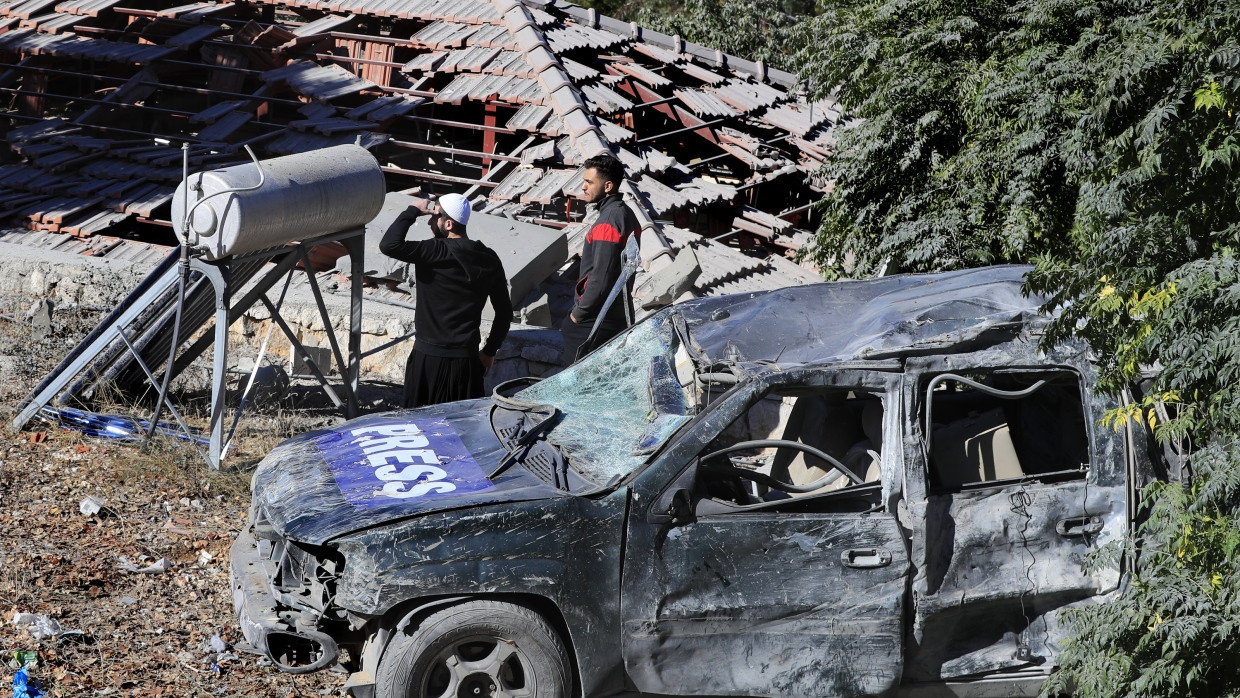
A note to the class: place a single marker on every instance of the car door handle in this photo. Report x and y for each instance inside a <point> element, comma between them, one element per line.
<point>1079,526</point>
<point>862,558</point>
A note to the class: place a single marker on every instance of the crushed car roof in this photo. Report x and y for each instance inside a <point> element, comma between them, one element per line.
<point>869,319</point>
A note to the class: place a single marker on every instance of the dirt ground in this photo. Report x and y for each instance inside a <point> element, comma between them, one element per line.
<point>124,633</point>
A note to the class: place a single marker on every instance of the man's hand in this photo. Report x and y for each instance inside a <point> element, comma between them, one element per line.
<point>423,206</point>
<point>486,360</point>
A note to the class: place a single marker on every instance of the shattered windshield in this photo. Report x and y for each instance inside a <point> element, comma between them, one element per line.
<point>620,403</point>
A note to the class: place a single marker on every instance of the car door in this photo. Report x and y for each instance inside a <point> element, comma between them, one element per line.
<point>1013,487</point>
<point>741,593</point>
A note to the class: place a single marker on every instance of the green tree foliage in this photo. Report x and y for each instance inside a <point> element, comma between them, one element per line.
<point>958,157</point>
<point>756,30</point>
<point>1100,140</point>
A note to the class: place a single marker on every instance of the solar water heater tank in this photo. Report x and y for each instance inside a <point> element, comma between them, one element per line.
<point>302,196</point>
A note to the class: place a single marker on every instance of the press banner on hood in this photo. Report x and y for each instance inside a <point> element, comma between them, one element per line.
<point>411,461</point>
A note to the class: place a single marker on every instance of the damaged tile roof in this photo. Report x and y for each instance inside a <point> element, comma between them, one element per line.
<point>501,100</point>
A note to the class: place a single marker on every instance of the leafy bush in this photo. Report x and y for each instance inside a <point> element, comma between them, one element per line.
<point>1100,140</point>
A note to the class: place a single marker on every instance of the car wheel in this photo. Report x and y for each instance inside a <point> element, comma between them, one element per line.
<point>478,649</point>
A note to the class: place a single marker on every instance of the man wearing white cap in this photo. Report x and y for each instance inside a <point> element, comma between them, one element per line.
<point>454,276</point>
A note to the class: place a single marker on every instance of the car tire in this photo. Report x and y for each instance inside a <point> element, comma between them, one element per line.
<point>476,649</point>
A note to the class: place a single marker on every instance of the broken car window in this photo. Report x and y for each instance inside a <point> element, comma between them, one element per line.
<point>779,446</point>
<point>620,403</point>
<point>1003,426</point>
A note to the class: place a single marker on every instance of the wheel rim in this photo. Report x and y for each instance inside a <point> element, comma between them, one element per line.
<point>480,667</point>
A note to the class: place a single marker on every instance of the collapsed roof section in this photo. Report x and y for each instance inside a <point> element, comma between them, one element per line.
<point>501,100</point>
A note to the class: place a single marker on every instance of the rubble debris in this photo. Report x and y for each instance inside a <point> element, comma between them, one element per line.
<point>38,625</point>
<point>91,505</point>
<point>158,567</point>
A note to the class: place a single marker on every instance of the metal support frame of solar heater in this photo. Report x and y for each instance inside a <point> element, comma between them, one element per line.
<point>219,275</point>
<point>227,312</point>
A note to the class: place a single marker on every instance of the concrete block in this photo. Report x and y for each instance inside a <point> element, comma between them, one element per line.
<point>538,313</point>
<point>670,282</point>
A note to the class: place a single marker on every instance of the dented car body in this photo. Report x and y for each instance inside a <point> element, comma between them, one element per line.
<point>858,488</point>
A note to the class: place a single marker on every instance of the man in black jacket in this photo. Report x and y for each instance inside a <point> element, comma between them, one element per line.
<point>600,262</point>
<point>454,277</point>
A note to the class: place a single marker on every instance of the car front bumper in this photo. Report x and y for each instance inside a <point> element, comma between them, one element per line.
<point>292,649</point>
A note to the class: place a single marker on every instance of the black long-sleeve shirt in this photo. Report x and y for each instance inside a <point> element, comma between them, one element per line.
<point>454,277</point>
<point>601,260</point>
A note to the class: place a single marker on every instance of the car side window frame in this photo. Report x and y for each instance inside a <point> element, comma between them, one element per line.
<point>881,379</point>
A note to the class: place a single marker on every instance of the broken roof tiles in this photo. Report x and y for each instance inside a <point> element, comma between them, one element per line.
<point>443,34</point>
<point>569,37</point>
<point>32,42</point>
<point>546,84</point>
<point>641,73</point>
<point>319,81</point>
<point>705,104</point>
<point>517,183</point>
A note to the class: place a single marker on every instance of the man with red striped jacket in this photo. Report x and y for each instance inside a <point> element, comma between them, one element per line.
<point>600,262</point>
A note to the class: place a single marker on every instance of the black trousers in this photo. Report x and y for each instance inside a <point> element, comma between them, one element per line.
<point>430,380</point>
<point>574,334</point>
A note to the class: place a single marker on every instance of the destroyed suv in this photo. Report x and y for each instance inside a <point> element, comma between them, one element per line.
<point>844,489</point>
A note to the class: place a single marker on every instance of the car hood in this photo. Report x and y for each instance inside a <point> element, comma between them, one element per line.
<point>387,467</point>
